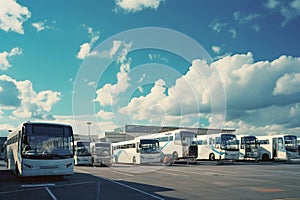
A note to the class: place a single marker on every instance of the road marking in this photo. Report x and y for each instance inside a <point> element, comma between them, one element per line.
<point>98,190</point>
<point>38,185</point>
<point>50,193</point>
<point>124,185</point>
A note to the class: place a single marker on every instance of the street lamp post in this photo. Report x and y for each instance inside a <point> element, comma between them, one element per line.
<point>89,123</point>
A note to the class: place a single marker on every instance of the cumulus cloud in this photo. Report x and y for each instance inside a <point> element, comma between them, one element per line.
<point>288,84</point>
<point>289,10</point>
<point>12,16</point>
<point>23,101</point>
<point>137,5</point>
<point>5,57</point>
<point>86,47</point>
<point>108,94</point>
<point>260,95</point>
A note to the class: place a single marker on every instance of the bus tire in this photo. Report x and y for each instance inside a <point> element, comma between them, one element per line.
<point>174,156</point>
<point>265,157</point>
<point>134,160</point>
<point>212,157</point>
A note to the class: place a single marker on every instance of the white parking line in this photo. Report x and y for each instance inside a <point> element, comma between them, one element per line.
<point>38,185</point>
<point>127,186</point>
<point>51,194</point>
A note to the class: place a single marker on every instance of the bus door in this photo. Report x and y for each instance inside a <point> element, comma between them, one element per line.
<point>281,153</point>
<point>274,148</point>
<point>278,148</point>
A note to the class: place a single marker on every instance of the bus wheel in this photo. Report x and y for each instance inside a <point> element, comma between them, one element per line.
<point>174,156</point>
<point>212,157</point>
<point>134,160</point>
<point>265,157</point>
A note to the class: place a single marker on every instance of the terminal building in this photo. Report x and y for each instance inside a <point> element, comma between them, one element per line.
<point>128,132</point>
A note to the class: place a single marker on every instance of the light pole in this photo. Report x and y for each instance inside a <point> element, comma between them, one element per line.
<point>89,123</point>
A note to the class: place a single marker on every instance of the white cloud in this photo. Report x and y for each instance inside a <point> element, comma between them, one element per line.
<point>40,26</point>
<point>86,47</point>
<point>137,5</point>
<point>288,84</point>
<point>108,94</point>
<point>105,115</point>
<point>233,32</point>
<point>245,18</point>
<point>12,16</point>
<point>256,27</point>
<point>84,50</point>
<point>23,101</point>
<point>217,26</point>
<point>216,49</point>
<point>288,10</point>
<point>255,91</point>
<point>6,56</point>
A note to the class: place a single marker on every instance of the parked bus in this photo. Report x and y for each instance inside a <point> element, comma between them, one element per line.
<point>137,151</point>
<point>82,154</point>
<point>249,147</point>
<point>176,145</point>
<point>220,146</point>
<point>278,147</point>
<point>101,153</point>
<point>40,149</point>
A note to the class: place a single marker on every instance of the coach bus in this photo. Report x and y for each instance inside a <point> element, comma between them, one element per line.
<point>176,145</point>
<point>218,146</point>
<point>137,151</point>
<point>101,153</point>
<point>278,147</point>
<point>249,147</point>
<point>82,155</point>
<point>40,149</point>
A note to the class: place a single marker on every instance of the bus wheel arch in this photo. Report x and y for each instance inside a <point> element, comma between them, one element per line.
<point>265,157</point>
<point>175,156</point>
<point>134,160</point>
<point>212,157</point>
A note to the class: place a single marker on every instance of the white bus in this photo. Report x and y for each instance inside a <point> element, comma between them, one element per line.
<point>40,149</point>
<point>137,151</point>
<point>82,154</point>
<point>101,153</point>
<point>219,146</point>
<point>176,145</point>
<point>249,147</point>
<point>278,147</point>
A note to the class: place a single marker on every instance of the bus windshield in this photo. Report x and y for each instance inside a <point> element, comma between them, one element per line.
<point>291,143</point>
<point>149,146</point>
<point>229,142</point>
<point>48,142</point>
<point>82,149</point>
<point>188,138</point>
<point>102,149</point>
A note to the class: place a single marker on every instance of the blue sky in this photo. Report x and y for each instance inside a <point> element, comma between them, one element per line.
<point>232,64</point>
